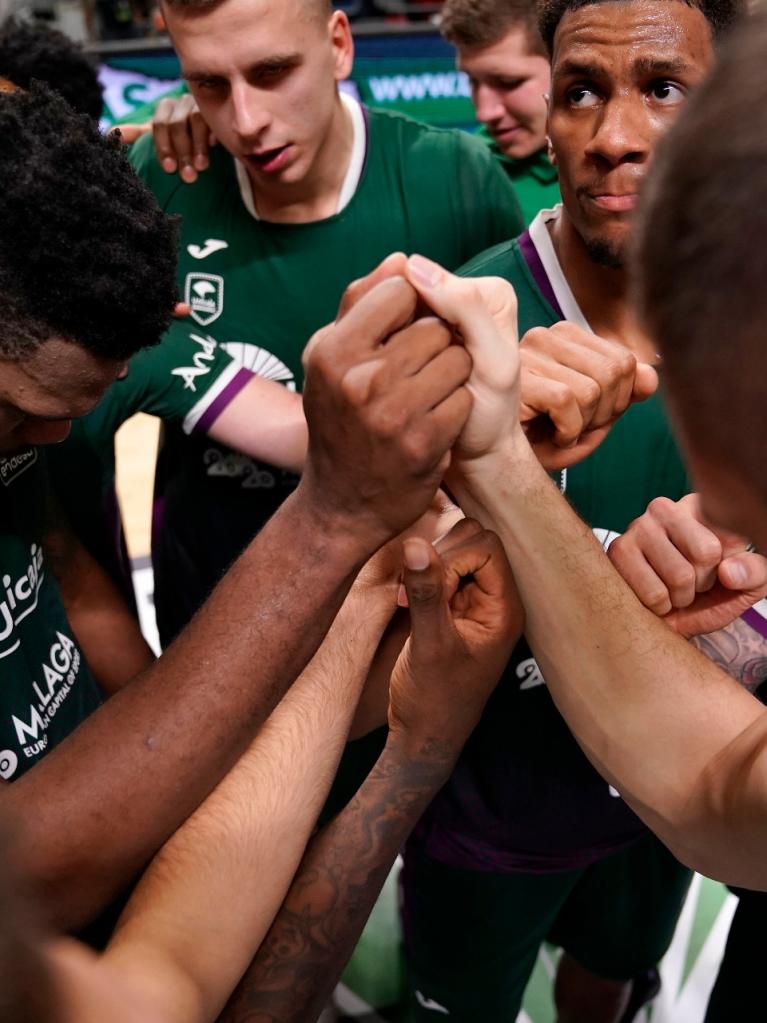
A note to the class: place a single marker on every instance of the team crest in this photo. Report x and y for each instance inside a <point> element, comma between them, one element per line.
<point>205,295</point>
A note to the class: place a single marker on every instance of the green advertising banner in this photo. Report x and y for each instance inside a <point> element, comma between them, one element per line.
<point>412,72</point>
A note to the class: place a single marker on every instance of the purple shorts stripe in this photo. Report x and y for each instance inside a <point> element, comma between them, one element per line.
<point>536,268</point>
<point>219,403</point>
<point>755,620</point>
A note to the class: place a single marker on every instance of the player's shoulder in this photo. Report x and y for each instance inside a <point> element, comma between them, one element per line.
<point>499,261</point>
<point>394,126</point>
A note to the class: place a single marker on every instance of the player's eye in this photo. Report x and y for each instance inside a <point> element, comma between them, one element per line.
<point>667,92</point>
<point>581,96</point>
<point>210,84</point>
<point>510,84</point>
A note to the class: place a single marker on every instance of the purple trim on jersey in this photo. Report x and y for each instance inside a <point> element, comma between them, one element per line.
<point>536,268</point>
<point>217,406</point>
<point>755,620</point>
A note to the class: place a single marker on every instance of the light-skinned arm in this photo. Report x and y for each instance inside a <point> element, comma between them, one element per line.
<point>382,419</point>
<point>207,900</point>
<point>680,740</point>
<point>266,421</point>
<point>458,646</point>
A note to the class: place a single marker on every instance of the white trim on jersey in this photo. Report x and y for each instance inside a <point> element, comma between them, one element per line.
<point>195,414</point>
<point>353,173</point>
<point>541,239</point>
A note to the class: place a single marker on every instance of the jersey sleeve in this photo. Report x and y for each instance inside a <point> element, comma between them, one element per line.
<point>188,378</point>
<point>143,159</point>
<point>490,201</point>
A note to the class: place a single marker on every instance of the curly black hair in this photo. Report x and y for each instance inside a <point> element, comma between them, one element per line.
<point>720,14</point>
<point>85,252</point>
<point>33,51</point>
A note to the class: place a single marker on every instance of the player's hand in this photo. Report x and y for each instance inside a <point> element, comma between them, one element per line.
<point>699,579</point>
<point>182,139</point>
<point>385,399</point>
<point>465,617</point>
<point>483,313</point>
<point>574,386</point>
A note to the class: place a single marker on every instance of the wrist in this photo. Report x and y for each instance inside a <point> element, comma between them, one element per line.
<point>511,458</point>
<point>427,757</point>
<point>351,535</point>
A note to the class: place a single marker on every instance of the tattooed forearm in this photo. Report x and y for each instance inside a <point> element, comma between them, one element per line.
<point>336,886</point>
<point>740,650</point>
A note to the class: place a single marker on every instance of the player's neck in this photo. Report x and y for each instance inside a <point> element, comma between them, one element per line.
<point>316,196</point>
<point>602,292</point>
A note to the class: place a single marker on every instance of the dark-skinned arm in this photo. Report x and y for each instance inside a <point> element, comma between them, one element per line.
<point>106,631</point>
<point>382,419</point>
<point>442,679</point>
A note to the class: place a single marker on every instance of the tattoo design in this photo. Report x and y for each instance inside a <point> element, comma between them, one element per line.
<point>342,873</point>
<point>740,650</point>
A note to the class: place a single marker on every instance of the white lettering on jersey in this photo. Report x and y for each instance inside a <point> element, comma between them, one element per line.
<point>60,671</point>
<point>529,674</point>
<point>210,246</point>
<point>202,361</point>
<point>20,600</point>
<point>429,1003</point>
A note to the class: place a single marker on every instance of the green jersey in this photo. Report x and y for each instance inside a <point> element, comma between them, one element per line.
<point>187,380</point>
<point>523,796</point>
<point>47,687</point>
<point>261,289</point>
<point>535,179</point>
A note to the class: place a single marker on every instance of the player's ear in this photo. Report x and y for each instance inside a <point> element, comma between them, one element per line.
<point>343,45</point>
<point>549,148</point>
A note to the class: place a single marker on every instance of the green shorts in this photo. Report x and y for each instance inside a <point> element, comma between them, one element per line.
<point>472,938</point>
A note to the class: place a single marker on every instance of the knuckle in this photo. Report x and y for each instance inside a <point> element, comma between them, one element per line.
<point>660,507</point>
<point>591,393</point>
<point>680,577</point>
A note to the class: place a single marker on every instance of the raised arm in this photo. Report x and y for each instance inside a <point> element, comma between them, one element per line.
<point>207,900</point>
<point>383,417</point>
<point>682,742</point>
<point>441,681</point>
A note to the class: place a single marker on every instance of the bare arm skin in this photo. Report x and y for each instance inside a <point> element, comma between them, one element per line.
<point>265,420</point>
<point>105,629</point>
<point>382,419</point>
<point>439,686</point>
<point>208,898</point>
<point>681,741</point>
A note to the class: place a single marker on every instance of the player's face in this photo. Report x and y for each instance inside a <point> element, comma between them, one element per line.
<point>264,74</point>
<point>620,73</point>
<point>42,394</point>
<point>508,87</point>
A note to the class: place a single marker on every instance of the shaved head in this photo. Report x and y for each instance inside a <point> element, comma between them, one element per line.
<point>322,8</point>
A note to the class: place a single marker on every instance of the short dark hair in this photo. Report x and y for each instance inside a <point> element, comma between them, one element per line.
<point>35,51</point>
<point>480,23</point>
<point>701,258</point>
<point>720,14</point>
<point>85,252</point>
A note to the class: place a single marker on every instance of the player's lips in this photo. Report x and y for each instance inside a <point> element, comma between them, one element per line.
<point>270,160</point>
<point>615,202</point>
<point>502,135</point>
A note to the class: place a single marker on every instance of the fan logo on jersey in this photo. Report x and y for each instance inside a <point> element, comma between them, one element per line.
<point>204,294</point>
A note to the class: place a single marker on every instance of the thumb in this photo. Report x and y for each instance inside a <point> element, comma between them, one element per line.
<point>745,572</point>
<point>425,585</point>
<point>483,309</point>
<point>645,382</point>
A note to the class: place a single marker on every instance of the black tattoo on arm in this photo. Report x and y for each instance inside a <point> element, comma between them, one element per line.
<point>740,650</point>
<point>336,886</point>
